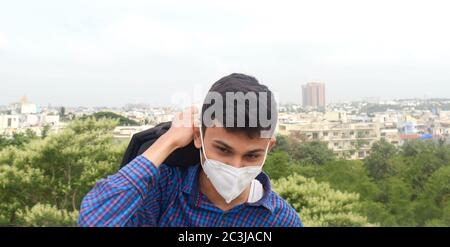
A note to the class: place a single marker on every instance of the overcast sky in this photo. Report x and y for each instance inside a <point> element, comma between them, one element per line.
<point>109,53</point>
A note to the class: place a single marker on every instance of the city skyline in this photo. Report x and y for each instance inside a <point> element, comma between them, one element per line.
<point>372,100</point>
<point>298,101</point>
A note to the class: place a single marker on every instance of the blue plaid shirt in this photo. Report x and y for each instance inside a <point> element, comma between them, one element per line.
<point>141,194</point>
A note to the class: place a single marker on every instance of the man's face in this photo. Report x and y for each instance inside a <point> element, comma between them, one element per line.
<point>233,148</point>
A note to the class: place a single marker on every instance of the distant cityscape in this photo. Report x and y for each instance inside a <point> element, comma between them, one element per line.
<point>349,129</point>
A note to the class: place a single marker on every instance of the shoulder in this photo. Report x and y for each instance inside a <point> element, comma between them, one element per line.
<point>285,214</point>
<point>162,171</point>
<point>181,176</point>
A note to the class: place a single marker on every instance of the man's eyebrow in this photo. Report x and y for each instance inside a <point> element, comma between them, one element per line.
<point>229,147</point>
<point>223,144</point>
<point>255,151</point>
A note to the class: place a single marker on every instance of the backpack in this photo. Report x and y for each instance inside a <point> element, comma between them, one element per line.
<point>141,141</point>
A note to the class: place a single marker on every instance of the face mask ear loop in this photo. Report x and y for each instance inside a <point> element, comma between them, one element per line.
<point>265,154</point>
<point>203,144</point>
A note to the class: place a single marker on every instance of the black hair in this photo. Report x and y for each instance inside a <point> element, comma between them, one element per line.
<point>244,84</point>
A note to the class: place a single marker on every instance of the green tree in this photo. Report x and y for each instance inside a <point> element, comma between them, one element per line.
<point>350,176</point>
<point>46,215</point>
<point>282,143</point>
<point>62,112</point>
<point>306,152</point>
<point>279,164</point>
<point>56,171</point>
<point>422,159</point>
<point>320,205</point>
<point>17,139</point>
<point>378,162</point>
<point>315,152</point>
<point>45,130</point>
<point>397,197</point>
<point>111,115</point>
<point>434,203</point>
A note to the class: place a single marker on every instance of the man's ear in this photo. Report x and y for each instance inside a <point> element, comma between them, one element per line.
<point>272,143</point>
<point>197,141</point>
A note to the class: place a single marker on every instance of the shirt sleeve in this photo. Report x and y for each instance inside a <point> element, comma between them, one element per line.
<point>134,196</point>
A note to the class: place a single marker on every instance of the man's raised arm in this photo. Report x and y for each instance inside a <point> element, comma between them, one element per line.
<point>116,200</point>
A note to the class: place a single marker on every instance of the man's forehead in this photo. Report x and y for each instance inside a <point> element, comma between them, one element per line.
<point>234,138</point>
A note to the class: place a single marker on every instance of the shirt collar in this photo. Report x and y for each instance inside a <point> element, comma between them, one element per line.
<point>190,186</point>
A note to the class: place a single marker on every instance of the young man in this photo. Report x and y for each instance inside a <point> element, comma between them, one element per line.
<point>227,188</point>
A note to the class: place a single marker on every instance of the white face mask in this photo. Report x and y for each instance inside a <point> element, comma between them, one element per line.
<point>229,181</point>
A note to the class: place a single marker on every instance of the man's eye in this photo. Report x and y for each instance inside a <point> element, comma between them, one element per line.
<point>252,156</point>
<point>223,150</point>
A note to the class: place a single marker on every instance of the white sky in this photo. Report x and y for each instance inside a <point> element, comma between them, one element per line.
<point>111,53</point>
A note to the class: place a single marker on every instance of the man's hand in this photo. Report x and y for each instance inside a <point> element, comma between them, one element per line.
<point>180,134</point>
<point>182,129</point>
